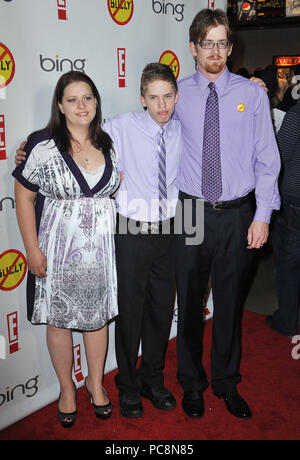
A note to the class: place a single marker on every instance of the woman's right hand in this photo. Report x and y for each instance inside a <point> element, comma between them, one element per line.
<point>37,263</point>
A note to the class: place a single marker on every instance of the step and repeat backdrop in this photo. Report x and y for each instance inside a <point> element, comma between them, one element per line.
<point>111,41</point>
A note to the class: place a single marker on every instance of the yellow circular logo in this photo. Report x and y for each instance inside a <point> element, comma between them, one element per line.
<point>7,66</point>
<point>169,58</point>
<point>240,107</point>
<point>13,267</point>
<point>121,11</point>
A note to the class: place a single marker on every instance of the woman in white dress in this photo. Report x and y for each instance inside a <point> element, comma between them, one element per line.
<point>67,218</point>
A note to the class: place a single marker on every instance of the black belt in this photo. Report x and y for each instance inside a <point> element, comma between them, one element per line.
<point>137,226</point>
<point>221,204</point>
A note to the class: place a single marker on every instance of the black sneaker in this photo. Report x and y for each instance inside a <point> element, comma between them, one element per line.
<point>131,405</point>
<point>160,397</point>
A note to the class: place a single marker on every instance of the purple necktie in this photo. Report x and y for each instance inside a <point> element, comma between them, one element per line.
<point>162,181</point>
<point>211,158</point>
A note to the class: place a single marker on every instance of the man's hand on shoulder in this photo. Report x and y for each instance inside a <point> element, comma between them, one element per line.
<point>260,82</point>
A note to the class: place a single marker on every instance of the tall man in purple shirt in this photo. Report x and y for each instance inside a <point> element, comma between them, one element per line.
<point>248,166</point>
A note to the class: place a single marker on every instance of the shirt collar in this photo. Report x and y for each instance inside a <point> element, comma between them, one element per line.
<point>153,128</point>
<point>220,82</point>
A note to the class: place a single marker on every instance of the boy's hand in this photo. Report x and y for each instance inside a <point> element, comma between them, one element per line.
<point>20,154</point>
<point>260,82</point>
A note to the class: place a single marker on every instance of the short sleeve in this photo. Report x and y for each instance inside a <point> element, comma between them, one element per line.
<point>28,172</point>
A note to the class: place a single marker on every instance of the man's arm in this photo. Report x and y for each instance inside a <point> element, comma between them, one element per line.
<point>266,168</point>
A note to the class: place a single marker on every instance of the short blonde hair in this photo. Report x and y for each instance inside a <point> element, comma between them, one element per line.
<point>156,71</point>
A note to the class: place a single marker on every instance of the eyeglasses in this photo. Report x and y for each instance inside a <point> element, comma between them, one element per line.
<point>208,45</point>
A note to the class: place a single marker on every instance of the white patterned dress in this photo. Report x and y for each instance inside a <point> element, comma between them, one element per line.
<point>76,227</point>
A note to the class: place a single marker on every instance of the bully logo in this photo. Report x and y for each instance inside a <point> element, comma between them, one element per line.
<point>13,268</point>
<point>7,66</point>
<point>169,58</point>
<point>121,11</point>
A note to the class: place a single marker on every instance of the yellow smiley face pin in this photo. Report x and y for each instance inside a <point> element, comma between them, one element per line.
<point>240,107</point>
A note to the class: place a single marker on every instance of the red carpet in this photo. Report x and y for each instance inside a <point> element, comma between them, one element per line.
<point>270,385</point>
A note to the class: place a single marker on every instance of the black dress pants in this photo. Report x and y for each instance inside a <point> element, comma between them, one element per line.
<point>223,256</point>
<point>286,245</point>
<point>146,292</point>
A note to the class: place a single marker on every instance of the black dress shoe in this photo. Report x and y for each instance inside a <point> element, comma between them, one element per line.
<point>235,404</point>
<point>131,406</point>
<point>193,404</point>
<point>160,397</point>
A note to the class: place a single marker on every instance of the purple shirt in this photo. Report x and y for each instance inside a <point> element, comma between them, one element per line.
<point>135,140</point>
<point>249,154</point>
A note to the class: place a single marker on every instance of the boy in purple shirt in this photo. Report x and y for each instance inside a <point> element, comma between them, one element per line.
<point>144,251</point>
<point>226,125</point>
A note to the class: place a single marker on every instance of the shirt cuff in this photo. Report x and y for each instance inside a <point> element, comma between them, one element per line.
<point>263,214</point>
